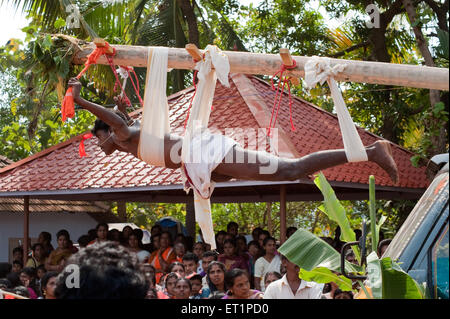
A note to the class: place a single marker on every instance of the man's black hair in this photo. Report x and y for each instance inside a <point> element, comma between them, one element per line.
<point>190,256</point>
<point>5,284</point>
<point>83,241</point>
<point>18,262</point>
<point>196,277</point>
<point>18,249</point>
<point>14,279</point>
<point>36,245</point>
<point>99,125</point>
<point>210,253</point>
<point>106,271</point>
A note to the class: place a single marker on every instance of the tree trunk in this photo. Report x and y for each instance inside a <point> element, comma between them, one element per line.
<point>188,11</point>
<point>437,142</point>
<point>269,216</point>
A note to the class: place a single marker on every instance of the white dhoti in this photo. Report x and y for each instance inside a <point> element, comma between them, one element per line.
<point>201,151</point>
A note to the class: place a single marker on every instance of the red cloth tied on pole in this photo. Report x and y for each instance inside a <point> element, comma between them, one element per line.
<point>81,149</point>
<point>68,105</point>
<point>277,101</point>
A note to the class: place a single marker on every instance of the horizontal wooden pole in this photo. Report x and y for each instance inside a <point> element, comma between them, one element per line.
<point>268,64</point>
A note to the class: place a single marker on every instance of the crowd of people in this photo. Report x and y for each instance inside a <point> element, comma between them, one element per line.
<point>116,264</point>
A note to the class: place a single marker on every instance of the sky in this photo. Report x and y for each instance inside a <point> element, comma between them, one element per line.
<point>11,21</point>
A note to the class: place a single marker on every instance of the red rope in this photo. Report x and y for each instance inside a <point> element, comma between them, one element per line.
<point>277,104</point>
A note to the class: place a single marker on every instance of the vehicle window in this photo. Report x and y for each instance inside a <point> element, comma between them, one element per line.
<point>440,266</point>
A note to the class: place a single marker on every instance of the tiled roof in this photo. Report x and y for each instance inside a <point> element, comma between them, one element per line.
<point>245,105</point>
<point>15,205</point>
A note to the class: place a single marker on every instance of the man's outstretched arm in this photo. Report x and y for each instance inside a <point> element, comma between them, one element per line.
<point>116,123</point>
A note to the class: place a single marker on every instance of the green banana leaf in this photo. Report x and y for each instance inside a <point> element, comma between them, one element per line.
<point>335,211</point>
<point>397,284</point>
<point>374,275</point>
<point>309,252</point>
<point>323,275</point>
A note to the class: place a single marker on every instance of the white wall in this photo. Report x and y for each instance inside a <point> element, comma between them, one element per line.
<point>11,226</point>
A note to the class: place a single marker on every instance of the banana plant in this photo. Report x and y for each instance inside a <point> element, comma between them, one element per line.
<point>320,262</point>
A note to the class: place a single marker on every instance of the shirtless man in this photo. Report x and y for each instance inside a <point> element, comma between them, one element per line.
<point>114,133</point>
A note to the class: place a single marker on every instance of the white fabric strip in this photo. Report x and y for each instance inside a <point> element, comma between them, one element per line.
<point>155,118</point>
<point>319,70</point>
<point>198,143</point>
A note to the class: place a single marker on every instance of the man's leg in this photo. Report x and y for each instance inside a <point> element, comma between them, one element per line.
<point>252,164</point>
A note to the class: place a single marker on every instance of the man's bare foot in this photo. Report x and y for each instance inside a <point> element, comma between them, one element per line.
<point>380,152</point>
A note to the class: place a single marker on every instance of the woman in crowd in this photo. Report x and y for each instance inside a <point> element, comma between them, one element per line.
<point>183,288</point>
<point>48,285</point>
<point>238,285</point>
<point>58,257</point>
<point>180,250</point>
<point>45,239</point>
<point>269,262</point>
<point>27,277</point>
<point>215,278</point>
<point>126,232</point>
<point>198,250</point>
<point>270,277</point>
<point>177,268</point>
<point>169,284</point>
<point>230,258</point>
<point>163,257</point>
<point>102,234</point>
<point>135,245</point>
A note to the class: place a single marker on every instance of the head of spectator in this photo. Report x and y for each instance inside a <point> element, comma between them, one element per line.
<point>350,257</point>
<point>27,276</point>
<point>17,266</point>
<point>207,258</point>
<point>38,252</point>
<point>63,239</point>
<point>190,262</point>
<point>238,284</point>
<point>149,273</point>
<point>45,238</point>
<point>40,272</point>
<point>270,246</point>
<point>292,270</point>
<point>48,284</point>
<point>92,234</point>
<point>133,242</point>
<point>106,271</point>
<point>165,240</point>
<point>156,240</point>
<point>270,277</point>
<point>178,268</point>
<point>180,238</point>
<point>290,231</point>
<point>256,232</point>
<point>169,284</point>
<point>241,245</point>
<point>199,249</point>
<point>382,246</point>
<point>102,232</point>
<point>233,229</point>
<point>254,249</point>
<point>196,284</point>
<point>183,288</point>
<point>155,230</point>
<point>14,279</point>
<point>229,248</point>
<point>339,294</point>
<point>263,235</point>
<point>5,284</point>
<point>216,276</point>
<point>5,268</point>
<point>18,253</point>
<point>151,293</point>
<point>220,237</point>
<point>126,232</point>
<point>180,250</point>
<point>114,235</point>
<point>83,241</point>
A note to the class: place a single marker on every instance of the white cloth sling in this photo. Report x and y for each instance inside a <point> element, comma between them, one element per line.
<point>201,150</point>
<point>319,69</point>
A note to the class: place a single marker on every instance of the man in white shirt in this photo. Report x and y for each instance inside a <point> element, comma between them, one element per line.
<point>290,286</point>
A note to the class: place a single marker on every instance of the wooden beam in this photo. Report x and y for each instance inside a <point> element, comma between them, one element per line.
<point>26,227</point>
<point>288,61</point>
<point>268,64</point>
